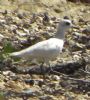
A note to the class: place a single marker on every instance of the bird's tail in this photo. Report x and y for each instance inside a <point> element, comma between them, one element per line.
<point>15,54</point>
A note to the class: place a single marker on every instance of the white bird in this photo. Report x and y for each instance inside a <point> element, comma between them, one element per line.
<point>47,50</point>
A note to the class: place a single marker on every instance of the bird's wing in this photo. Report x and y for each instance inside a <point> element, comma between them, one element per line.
<point>33,50</point>
<point>38,49</point>
<point>42,49</point>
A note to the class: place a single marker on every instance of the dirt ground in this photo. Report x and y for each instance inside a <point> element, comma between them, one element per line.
<point>22,24</point>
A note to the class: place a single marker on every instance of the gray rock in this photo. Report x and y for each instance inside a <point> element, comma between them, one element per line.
<point>32,92</point>
<point>29,92</point>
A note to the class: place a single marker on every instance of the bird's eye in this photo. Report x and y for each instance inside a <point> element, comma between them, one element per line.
<point>67,23</point>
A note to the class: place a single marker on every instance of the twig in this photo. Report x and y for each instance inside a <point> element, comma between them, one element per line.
<point>86,72</point>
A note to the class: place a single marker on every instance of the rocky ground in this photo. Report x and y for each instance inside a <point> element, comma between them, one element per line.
<point>22,25</point>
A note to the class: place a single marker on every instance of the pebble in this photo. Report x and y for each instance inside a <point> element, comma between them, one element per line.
<point>36,82</point>
<point>45,18</point>
<point>55,78</point>
<point>47,97</point>
<point>22,34</point>
<point>76,57</point>
<point>40,83</point>
<point>31,82</point>
<point>75,46</point>
<point>2,21</point>
<point>13,27</point>
<point>26,31</point>
<point>66,17</point>
<point>47,90</point>
<point>81,19</point>
<point>53,18</point>
<point>47,35</point>
<point>81,38</point>
<point>1,37</point>
<point>8,73</point>
<point>20,16</point>
<point>76,33</point>
<point>29,92</point>
<point>86,30</point>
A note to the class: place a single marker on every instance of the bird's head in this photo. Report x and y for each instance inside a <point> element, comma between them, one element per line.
<point>66,24</point>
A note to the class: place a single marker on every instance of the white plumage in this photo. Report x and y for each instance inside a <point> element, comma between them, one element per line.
<point>42,51</point>
<point>47,50</point>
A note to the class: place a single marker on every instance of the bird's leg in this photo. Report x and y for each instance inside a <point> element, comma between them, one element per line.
<point>42,70</point>
<point>53,71</point>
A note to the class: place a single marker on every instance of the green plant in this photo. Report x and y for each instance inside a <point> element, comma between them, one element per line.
<point>8,48</point>
<point>2,96</point>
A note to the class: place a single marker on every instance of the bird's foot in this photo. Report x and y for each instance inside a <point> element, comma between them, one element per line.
<point>51,71</point>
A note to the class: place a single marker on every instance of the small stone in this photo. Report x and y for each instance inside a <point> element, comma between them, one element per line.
<point>29,92</point>
<point>2,21</point>
<point>22,34</point>
<point>76,33</point>
<point>57,10</point>
<point>33,18</point>
<point>20,16</point>
<point>13,27</point>
<point>76,57</point>
<point>45,19</point>
<point>55,78</point>
<point>40,83</point>
<point>5,12</point>
<point>47,97</point>
<point>8,73</point>
<point>26,31</point>
<point>26,25</point>
<point>53,18</point>
<point>17,21</point>
<point>66,17</point>
<point>1,37</point>
<point>32,92</point>
<point>81,20</point>
<point>31,82</point>
<point>76,46</point>
<point>47,89</point>
<point>52,85</point>
<point>88,93</point>
<point>2,85</point>
<point>86,30</point>
<point>47,35</point>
